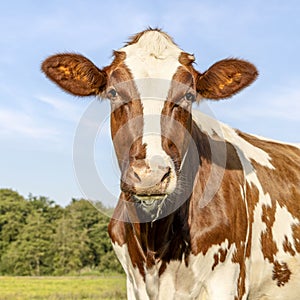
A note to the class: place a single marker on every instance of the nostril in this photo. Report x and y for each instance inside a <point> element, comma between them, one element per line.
<point>137,176</point>
<point>166,175</point>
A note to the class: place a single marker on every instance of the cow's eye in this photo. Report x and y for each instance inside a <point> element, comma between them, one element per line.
<point>190,97</point>
<point>112,93</point>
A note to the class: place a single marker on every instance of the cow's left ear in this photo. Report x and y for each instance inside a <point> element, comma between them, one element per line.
<point>225,78</point>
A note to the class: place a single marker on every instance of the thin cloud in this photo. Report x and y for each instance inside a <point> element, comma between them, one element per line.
<point>14,124</point>
<point>61,108</point>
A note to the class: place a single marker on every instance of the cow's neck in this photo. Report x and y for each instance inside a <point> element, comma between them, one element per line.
<point>164,239</point>
<point>169,237</point>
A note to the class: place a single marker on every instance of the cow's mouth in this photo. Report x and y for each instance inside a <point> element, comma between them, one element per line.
<point>148,200</point>
<point>151,205</point>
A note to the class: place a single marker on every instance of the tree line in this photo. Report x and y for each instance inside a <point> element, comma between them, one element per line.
<point>39,237</point>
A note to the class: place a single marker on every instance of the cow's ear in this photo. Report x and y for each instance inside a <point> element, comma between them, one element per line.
<point>225,78</point>
<point>75,74</point>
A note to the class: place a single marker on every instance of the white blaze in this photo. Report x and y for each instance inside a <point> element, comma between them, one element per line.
<point>153,61</point>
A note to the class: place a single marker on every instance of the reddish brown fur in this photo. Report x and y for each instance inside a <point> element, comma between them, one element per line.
<point>281,273</point>
<point>220,256</point>
<point>126,115</point>
<point>225,78</point>
<point>287,246</point>
<point>75,74</point>
<point>176,116</point>
<point>186,59</point>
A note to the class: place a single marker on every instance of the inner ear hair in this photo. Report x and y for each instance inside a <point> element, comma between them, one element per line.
<point>226,78</point>
<point>75,74</point>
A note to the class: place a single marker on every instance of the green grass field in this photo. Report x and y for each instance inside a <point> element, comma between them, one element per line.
<point>63,288</point>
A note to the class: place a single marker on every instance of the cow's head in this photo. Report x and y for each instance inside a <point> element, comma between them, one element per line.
<point>151,85</point>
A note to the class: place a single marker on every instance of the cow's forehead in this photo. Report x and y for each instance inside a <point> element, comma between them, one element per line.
<point>152,55</point>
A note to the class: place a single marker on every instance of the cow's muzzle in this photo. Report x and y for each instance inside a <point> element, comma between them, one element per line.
<point>147,181</point>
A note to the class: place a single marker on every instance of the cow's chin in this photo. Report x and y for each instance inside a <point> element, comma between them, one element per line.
<point>149,207</point>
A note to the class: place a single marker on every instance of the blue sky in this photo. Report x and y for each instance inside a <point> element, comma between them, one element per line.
<point>38,121</point>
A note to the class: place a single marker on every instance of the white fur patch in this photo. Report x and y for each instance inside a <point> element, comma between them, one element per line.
<point>245,150</point>
<point>153,61</point>
<point>263,287</point>
<point>220,283</point>
<point>282,228</point>
<point>153,56</point>
<point>155,155</point>
<point>197,281</point>
<point>136,288</point>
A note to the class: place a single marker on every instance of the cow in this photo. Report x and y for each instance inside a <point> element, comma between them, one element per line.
<point>205,211</point>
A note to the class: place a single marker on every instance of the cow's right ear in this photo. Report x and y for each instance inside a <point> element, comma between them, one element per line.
<point>75,74</point>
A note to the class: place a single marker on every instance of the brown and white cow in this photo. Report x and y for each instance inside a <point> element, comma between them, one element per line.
<point>205,211</point>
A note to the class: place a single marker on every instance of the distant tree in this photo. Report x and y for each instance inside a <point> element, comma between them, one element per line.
<point>83,241</point>
<point>38,237</point>
<point>105,258</point>
<point>70,246</point>
<point>13,213</point>
<point>30,253</point>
